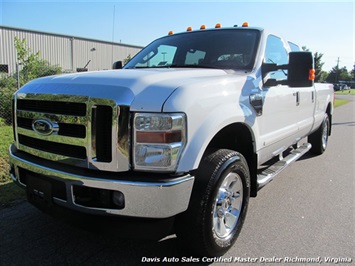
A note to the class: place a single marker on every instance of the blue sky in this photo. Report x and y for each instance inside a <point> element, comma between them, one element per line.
<point>324,26</point>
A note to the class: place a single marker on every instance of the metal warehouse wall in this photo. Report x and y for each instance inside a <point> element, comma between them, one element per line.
<point>69,52</point>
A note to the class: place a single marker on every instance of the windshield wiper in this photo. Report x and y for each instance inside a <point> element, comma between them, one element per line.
<point>140,67</point>
<point>190,66</point>
<point>172,66</point>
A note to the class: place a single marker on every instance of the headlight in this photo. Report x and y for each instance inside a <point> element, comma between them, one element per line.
<point>158,141</point>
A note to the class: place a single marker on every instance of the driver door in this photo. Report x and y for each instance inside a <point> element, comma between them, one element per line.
<point>278,122</point>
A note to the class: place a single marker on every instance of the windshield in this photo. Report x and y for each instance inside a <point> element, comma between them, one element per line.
<point>224,49</point>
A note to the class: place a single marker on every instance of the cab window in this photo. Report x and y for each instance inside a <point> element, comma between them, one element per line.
<point>163,55</point>
<point>276,53</point>
<point>221,49</point>
<point>194,57</point>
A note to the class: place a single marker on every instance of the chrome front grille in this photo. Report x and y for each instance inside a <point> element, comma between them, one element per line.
<point>86,135</point>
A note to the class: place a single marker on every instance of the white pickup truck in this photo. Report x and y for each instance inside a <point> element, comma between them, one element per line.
<point>186,130</point>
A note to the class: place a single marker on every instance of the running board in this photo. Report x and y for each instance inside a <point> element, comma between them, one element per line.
<point>268,174</point>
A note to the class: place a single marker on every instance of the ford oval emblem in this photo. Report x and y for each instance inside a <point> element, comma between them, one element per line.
<point>44,127</point>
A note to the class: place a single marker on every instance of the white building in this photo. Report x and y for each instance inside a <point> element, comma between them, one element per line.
<point>69,52</point>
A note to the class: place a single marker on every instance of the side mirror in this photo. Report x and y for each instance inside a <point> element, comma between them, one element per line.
<point>117,65</point>
<point>300,69</point>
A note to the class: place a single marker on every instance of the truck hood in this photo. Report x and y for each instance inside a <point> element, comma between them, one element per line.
<point>141,89</point>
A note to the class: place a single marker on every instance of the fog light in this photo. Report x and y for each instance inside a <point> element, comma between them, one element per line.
<point>118,199</point>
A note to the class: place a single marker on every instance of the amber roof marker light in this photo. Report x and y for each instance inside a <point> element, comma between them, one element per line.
<point>217,26</point>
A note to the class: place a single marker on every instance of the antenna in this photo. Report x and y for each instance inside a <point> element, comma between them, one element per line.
<point>113,30</point>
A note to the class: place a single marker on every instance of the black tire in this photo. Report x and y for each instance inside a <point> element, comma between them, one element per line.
<point>218,204</point>
<point>319,138</point>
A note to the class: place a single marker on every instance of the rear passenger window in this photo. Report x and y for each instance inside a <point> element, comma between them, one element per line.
<point>294,47</point>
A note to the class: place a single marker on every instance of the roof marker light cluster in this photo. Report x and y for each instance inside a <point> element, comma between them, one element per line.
<point>217,26</point>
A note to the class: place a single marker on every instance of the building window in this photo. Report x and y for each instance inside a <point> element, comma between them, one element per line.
<point>4,68</point>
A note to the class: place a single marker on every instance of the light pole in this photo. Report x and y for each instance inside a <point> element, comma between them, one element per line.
<point>92,50</point>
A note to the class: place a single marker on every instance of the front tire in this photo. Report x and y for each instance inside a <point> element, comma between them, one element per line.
<point>218,204</point>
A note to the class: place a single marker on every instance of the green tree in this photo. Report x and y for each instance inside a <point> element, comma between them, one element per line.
<point>127,59</point>
<point>337,74</point>
<point>32,65</point>
<point>318,64</point>
<point>322,76</point>
<point>8,86</point>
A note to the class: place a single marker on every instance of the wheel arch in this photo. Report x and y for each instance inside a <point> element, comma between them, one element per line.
<point>238,137</point>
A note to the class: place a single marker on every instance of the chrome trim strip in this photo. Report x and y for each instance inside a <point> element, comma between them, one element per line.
<point>15,121</point>
<point>67,119</point>
<point>75,92</point>
<point>92,129</point>
<point>159,199</point>
<point>42,154</point>
<point>55,157</point>
<point>53,137</point>
<point>43,89</point>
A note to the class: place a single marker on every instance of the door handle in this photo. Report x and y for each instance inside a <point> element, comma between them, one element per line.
<point>256,100</point>
<point>297,94</point>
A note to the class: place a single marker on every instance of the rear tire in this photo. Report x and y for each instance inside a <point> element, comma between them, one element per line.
<point>218,204</point>
<point>319,138</point>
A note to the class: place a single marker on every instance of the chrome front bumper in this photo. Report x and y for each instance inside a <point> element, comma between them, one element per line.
<point>154,198</point>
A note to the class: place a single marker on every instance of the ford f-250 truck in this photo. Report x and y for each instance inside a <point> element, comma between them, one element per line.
<point>184,130</point>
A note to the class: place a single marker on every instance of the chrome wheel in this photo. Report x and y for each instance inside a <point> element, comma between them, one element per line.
<point>227,206</point>
<point>325,136</point>
<point>319,138</point>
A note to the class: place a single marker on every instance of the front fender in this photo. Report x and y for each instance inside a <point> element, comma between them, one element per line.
<point>200,138</point>
<point>208,109</point>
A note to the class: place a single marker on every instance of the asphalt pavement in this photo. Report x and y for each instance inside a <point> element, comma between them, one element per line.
<point>303,217</point>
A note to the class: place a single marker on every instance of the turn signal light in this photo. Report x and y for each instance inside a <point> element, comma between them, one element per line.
<point>312,74</point>
<point>158,137</point>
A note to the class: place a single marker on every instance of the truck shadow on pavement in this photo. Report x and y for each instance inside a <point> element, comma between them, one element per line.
<point>344,124</point>
<point>31,237</point>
